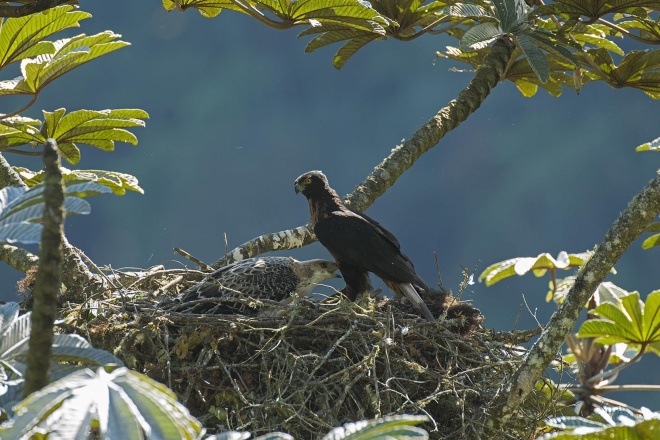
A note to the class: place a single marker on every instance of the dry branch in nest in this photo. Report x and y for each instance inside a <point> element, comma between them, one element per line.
<point>313,366</point>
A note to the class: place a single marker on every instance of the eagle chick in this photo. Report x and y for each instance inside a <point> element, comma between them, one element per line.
<point>359,244</point>
<point>273,278</point>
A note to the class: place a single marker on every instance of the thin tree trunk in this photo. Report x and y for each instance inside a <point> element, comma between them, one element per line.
<point>486,77</point>
<point>49,277</point>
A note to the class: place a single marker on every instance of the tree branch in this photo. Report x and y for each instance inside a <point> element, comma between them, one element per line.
<point>32,7</point>
<point>18,258</point>
<point>486,77</point>
<point>631,223</point>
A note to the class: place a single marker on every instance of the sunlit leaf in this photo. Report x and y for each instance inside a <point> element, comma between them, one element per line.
<point>654,145</point>
<point>117,182</point>
<point>70,53</point>
<point>22,37</point>
<point>620,424</point>
<point>628,321</point>
<point>401,427</point>
<point>19,130</point>
<point>120,403</point>
<point>206,8</point>
<point>538,265</point>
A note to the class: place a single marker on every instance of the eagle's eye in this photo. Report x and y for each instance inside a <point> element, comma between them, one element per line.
<point>308,180</point>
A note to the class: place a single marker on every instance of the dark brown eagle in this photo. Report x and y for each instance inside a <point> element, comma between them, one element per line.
<point>359,244</point>
<point>272,278</point>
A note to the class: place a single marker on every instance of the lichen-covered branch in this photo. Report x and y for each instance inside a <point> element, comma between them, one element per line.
<point>31,7</point>
<point>289,239</point>
<point>18,258</point>
<point>49,274</point>
<point>631,223</point>
<point>487,76</point>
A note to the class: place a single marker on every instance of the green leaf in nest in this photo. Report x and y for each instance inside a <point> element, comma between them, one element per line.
<point>628,320</point>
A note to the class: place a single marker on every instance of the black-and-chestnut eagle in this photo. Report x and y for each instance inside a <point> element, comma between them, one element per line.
<point>359,244</point>
<point>271,278</point>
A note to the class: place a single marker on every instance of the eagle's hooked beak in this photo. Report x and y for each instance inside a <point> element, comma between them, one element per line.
<point>297,187</point>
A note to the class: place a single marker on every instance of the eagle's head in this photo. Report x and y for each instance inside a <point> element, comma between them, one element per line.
<point>312,182</point>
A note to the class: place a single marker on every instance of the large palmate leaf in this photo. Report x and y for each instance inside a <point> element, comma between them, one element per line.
<point>537,265</point>
<point>118,402</point>
<point>69,53</point>
<point>594,9</point>
<point>628,320</point>
<point>119,183</point>
<point>638,69</point>
<point>207,8</point>
<point>19,130</point>
<point>22,37</point>
<point>354,22</point>
<point>69,353</point>
<point>98,128</point>
<point>22,210</point>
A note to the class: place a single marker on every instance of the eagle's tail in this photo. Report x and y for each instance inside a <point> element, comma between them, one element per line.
<point>409,292</point>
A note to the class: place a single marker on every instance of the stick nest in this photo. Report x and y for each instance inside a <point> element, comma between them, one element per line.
<point>309,367</point>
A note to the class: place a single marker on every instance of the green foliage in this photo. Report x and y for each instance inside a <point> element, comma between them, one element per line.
<point>394,427</point>
<point>354,22</point>
<point>41,62</point>
<point>654,145</point>
<point>538,265</point>
<point>627,320</point>
<point>610,423</point>
<point>556,47</point>
<point>116,402</point>
<point>100,129</point>
<point>22,210</point>
<point>21,39</point>
<point>117,182</point>
<point>69,353</point>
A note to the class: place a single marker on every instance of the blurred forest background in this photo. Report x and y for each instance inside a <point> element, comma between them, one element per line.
<point>238,111</point>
